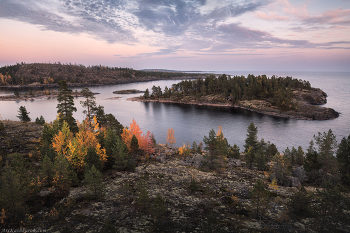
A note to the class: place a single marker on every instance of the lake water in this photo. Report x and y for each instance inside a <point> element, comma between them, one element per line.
<point>191,123</point>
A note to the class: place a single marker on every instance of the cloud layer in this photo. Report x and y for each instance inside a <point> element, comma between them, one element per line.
<point>175,25</point>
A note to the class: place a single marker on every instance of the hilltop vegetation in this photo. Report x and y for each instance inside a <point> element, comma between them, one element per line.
<point>46,73</point>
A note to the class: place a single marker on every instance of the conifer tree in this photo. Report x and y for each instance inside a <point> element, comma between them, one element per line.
<point>259,197</point>
<point>40,121</point>
<point>23,115</point>
<point>331,209</point>
<point>343,157</point>
<point>46,171</point>
<point>300,156</point>
<point>93,179</point>
<point>12,195</point>
<point>252,138</point>
<point>61,177</point>
<point>65,106</point>
<point>327,144</point>
<point>134,145</point>
<point>123,161</point>
<point>89,102</point>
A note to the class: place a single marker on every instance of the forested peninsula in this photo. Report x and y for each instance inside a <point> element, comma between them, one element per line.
<point>276,96</point>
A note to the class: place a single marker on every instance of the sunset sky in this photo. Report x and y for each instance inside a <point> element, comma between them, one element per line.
<point>208,35</point>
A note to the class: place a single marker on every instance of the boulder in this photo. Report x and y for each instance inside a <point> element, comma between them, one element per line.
<point>299,173</point>
<point>161,158</point>
<point>234,162</point>
<point>294,182</point>
<point>193,161</point>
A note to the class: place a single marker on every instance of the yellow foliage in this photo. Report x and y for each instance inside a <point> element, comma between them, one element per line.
<point>234,199</point>
<point>75,149</point>
<point>273,184</point>
<point>2,216</point>
<point>219,132</point>
<point>184,150</point>
<point>53,214</point>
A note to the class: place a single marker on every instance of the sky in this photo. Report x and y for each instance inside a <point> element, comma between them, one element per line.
<point>201,35</point>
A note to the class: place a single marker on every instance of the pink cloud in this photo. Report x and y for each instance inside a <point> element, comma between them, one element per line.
<point>271,16</point>
<point>338,16</point>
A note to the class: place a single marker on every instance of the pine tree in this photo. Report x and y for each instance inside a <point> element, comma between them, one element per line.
<point>252,139</point>
<point>65,106</point>
<point>300,156</point>
<point>89,102</point>
<point>23,114</point>
<point>330,209</point>
<point>343,157</point>
<point>259,197</point>
<point>327,144</point>
<point>211,146</point>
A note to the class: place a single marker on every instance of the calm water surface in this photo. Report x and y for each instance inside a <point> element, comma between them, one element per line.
<point>191,123</point>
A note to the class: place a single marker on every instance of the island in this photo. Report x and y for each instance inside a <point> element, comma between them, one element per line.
<point>129,91</point>
<point>275,96</point>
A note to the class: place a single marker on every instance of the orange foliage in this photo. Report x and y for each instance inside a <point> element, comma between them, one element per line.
<point>144,140</point>
<point>171,137</point>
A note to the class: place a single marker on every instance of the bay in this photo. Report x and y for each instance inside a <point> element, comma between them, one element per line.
<point>191,123</point>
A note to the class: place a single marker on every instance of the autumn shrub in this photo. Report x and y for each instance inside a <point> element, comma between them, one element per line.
<point>144,140</point>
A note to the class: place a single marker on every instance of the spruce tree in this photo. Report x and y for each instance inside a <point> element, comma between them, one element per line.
<point>23,115</point>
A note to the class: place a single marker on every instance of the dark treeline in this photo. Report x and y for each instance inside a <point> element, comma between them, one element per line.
<point>277,89</point>
<point>52,73</point>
